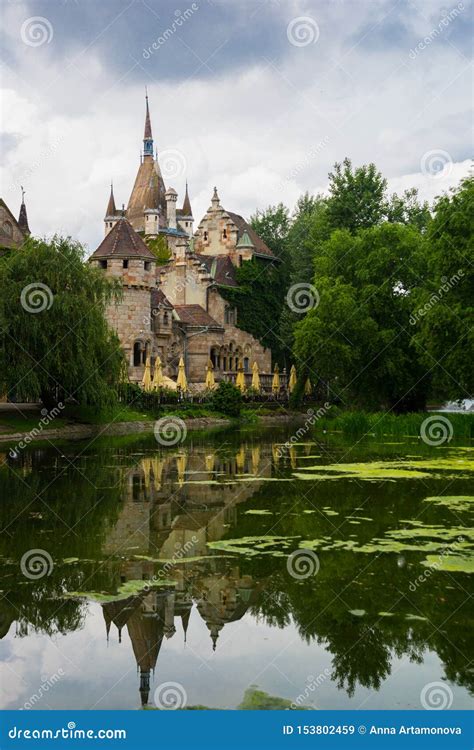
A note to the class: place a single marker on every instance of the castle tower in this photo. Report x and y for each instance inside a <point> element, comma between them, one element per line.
<point>123,255</point>
<point>111,215</point>
<point>185,215</point>
<point>23,217</point>
<point>146,210</point>
<point>171,198</point>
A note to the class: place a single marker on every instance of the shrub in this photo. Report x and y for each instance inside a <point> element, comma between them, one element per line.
<point>227,399</point>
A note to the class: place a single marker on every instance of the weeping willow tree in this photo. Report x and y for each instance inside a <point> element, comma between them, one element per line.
<point>54,339</point>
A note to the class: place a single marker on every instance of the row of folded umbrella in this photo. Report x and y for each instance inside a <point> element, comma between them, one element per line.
<point>158,380</point>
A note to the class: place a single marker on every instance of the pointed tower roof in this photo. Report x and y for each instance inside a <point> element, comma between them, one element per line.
<point>245,241</point>
<point>123,242</point>
<point>23,217</point>
<point>147,134</point>
<point>111,210</point>
<point>187,210</point>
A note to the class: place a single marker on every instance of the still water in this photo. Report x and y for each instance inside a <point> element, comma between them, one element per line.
<point>181,565</point>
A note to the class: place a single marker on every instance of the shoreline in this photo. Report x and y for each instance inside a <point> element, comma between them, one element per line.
<point>114,429</point>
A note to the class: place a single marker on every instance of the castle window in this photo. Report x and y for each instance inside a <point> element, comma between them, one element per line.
<point>224,234</point>
<point>147,265</point>
<point>103,263</point>
<point>246,364</point>
<point>137,354</point>
<point>165,318</point>
<point>125,263</point>
<point>240,260</point>
<point>205,236</point>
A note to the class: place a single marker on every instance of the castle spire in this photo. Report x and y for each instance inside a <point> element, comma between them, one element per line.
<point>23,216</point>
<point>147,137</point>
<point>187,211</point>
<point>111,210</point>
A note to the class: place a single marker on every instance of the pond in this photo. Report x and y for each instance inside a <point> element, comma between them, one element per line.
<point>234,571</point>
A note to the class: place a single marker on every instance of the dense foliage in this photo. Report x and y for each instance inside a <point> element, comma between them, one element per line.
<point>392,324</point>
<point>226,399</point>
<point>54,340</point>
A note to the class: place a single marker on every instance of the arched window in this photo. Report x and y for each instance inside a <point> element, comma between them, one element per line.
<point>137,354</point>
<point>246,364</point>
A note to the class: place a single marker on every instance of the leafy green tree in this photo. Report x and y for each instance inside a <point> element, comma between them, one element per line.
<point>356,196</point>
<point>159,247</point>
<point>226,399</point>
<point>273,225</point>
<point>443,306</point>
<point>358,339</point>
<point>407,209</point>
<point>54,340</point>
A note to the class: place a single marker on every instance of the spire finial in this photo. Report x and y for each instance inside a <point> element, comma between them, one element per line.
<point>148,137</point>
<point>22,194</point>
<point>23,217</point>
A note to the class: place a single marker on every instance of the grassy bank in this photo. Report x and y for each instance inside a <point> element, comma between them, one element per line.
<point>380,424</point>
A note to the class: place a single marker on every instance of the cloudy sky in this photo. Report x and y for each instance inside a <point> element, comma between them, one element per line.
<point>259,98</point>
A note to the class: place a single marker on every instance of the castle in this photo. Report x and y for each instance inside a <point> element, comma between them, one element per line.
<point>178,309</point>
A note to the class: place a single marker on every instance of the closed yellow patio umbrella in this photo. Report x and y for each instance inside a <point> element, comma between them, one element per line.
<point>181,382</point>
<point>157,375</point>
<point>255,377</point>
<point>308,388</point>
<point>292,381</point>
<point>276,380</point>
<point>240,379</point>
<point>146,382</point>
<point>210,382</point>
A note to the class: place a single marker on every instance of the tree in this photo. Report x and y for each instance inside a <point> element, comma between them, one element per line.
<point>272,225</point>
<point>443,305</point>
<point>356,196</point>
<point>358,339</point>
<point>54,339</point>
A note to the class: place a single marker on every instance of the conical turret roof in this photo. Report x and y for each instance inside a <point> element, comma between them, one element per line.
<point>123,242</point>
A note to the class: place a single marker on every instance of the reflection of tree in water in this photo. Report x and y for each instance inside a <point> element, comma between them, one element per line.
<point>120,495</point>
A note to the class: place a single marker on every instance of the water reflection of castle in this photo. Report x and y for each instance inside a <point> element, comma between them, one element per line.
<point>173,507</point>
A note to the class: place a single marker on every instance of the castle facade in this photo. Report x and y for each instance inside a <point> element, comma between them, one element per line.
<point>174,306</point>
